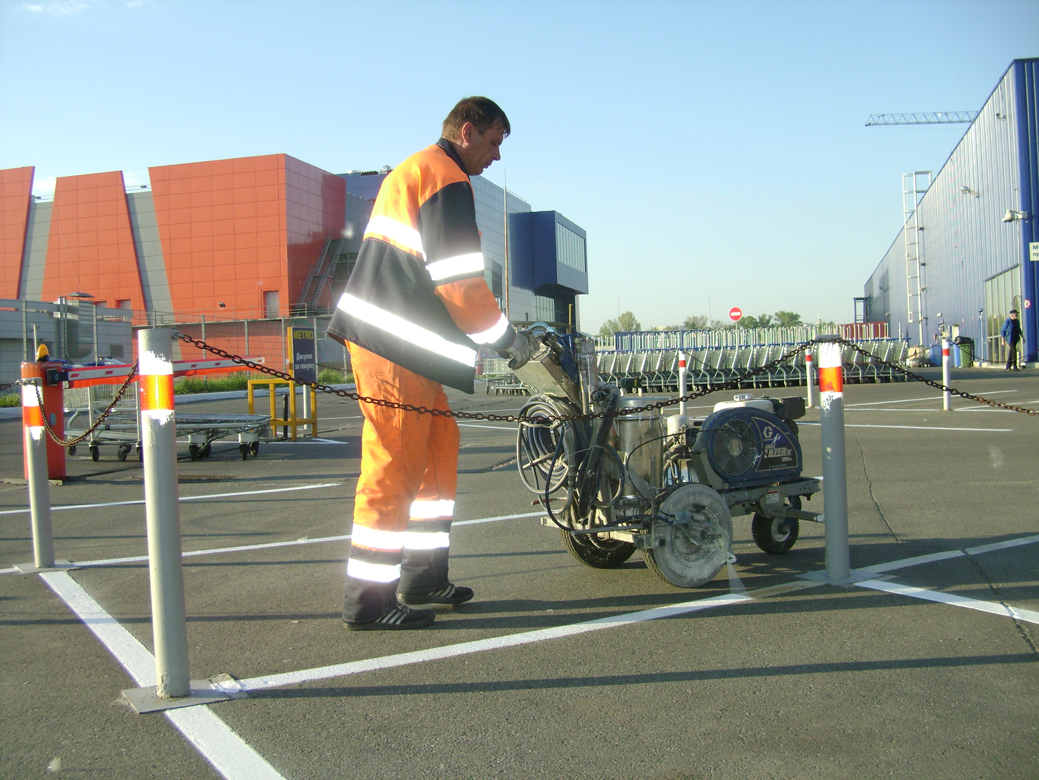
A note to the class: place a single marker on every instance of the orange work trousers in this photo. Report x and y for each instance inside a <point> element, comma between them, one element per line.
<point>406,491</point>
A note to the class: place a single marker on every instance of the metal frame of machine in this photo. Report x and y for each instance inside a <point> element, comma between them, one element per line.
<point>615,476</point>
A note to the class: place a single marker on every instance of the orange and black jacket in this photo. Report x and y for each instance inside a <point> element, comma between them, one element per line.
<point>417,295</point>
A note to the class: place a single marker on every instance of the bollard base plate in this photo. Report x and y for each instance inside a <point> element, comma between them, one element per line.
<point>145,700</point>
<point>32,568</point>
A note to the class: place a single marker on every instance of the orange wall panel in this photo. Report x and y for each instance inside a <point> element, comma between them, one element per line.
<point>91,247</point>
<point>15,197</point>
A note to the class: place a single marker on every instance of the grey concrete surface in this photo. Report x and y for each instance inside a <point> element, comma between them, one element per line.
<point>801,680</point>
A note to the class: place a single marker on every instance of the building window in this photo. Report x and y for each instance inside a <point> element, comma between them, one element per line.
<point>570,248</point>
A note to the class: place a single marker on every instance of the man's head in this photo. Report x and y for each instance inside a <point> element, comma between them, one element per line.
<point>1013,313</point>
<point>476,126</point>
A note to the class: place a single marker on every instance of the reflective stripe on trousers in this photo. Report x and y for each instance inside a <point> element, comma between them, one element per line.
<point>405,493</point>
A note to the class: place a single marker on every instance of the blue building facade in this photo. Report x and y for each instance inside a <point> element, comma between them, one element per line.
<point>968,252</point>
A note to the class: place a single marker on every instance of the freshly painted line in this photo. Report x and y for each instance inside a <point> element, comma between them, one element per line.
<point>182,498</point>
<point>482,645</point>
<point>1026,615</point>
<point>267,545</point>
<point>307,441</point>
<point>229,754</point>
<point>923,428</point>
<point>904,563</point>
<point>1004,545</point>
<point>491,427</point>
<point>915,400</point>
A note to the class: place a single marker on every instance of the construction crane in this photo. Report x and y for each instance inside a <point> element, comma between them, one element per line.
<point>935,118</point>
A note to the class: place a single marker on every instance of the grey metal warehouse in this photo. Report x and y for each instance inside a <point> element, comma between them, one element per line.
<point>968,252</point>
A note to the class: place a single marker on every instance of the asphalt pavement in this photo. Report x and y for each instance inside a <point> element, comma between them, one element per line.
<point>925,666</point>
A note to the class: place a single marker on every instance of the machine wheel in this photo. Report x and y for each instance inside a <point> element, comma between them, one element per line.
<point>595,552</point>
<point>696,537</point>
<point>776,535</point>
<point>72,450</point>
<point>95,453</point>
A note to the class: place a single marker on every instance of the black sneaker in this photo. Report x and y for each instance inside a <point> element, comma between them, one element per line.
<point>398,618</point>
<point>449,594</point>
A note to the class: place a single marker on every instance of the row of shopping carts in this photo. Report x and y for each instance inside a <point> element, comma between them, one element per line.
<point>875,360</point>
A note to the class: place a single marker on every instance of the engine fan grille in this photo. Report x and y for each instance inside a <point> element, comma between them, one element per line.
<point>735,447</point>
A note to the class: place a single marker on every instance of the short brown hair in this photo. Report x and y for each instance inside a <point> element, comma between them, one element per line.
<point>483,112</point>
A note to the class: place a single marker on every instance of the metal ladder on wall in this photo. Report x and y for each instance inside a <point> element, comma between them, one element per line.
<point>914,186</point>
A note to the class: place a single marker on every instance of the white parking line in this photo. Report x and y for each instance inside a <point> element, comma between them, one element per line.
<point>229,754</point>
<point>921,428</point>
<point>1026,615</point>
<point>182,498</point>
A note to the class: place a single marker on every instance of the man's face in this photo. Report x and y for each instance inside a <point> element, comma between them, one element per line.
<point>478,150</point>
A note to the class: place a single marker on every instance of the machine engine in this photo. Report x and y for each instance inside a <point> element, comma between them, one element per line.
<point>616,475</point>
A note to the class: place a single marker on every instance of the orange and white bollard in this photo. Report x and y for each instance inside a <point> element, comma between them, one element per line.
<point>835,476</point>
<point>161,498</point>
<point>810,379</point>
<point>34,442</point>
<point>681,382</point>
<point>946,361</point>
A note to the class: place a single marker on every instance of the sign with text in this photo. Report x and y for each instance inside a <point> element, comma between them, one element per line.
<point>302,354</point>
<point>1033,250</point>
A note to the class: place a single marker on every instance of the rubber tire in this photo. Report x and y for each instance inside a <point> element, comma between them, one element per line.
<point>193,451</point>
<point>613,555</point>
<point>254,448</point>
<point>95,454</point>
<point>765,531</point>
<point>72,450</point>
<point>121,455</point>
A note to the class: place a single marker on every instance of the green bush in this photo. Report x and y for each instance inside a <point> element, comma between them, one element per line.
<point>333,376</point>
<point>10,399</point>
<point>221,383</point>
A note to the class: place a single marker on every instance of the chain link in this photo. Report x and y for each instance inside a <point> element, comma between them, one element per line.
<point>732,384</point>
<point>97,423</point>
<point>938,385</point>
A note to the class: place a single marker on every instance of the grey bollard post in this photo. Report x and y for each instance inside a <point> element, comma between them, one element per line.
<point>810,379</point>
<point>159,449</point>
<point>946,395</point>
<point>681,382</point>
<point>35,442</point>
<point>835,476</point>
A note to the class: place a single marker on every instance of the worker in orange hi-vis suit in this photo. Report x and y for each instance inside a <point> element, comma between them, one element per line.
<point>415,310</point>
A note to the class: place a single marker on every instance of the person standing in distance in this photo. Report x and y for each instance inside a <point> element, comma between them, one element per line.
<point>415,310</point>
<point>1011,334</point>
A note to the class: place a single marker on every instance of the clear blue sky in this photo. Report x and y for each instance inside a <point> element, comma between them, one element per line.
<point>715,152</point>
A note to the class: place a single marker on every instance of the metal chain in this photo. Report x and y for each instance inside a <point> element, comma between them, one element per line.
<point>539,418</point>
<point>938,385</point>
<point>97,423</point>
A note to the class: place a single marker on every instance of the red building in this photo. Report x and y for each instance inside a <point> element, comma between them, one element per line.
<point>239,237</point>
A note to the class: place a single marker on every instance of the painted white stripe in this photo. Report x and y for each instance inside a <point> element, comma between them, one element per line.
<point>492,334</point>
<point>493,643</point>
<point>414,540</point>
<point>372,572</point>
<point>271,545</point>
<point>432,510</point>
<point>952,599</point>
<point>922,428</point>
<point>153,365</point>
<point>375,539</point>
<point>1004,545</point>
<point>471,263</point>
<point>228,753</point>
<point>490,427</point>
<point>935,398</point>
<point>904,563</point>
<point>29,397</point>
<point>409,331</point>
<point>182,498</point>
<point>405,235</point>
